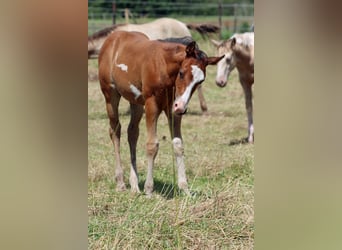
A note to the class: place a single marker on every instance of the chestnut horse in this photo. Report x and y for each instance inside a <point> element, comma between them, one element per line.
<point>158,75</point>
<point>238,52</point>
<point>161,28</point>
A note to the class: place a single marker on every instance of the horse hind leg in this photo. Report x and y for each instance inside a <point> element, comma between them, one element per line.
<point>115,134</point>
<point>201,98</point>
<point>133,135</point>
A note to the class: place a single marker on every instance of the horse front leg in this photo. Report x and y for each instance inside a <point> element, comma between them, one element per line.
<point>247,88</point>
<point>152,113</point>
<point>175,129</point>
<point>133,135</point>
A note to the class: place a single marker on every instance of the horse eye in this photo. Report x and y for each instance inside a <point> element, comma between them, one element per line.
<point>181,74</point>
<point>228,60</point>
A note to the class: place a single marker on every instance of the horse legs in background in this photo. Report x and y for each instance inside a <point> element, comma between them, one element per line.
<point>203,104</point>
<point>133,135</point>
<point>247,89</point>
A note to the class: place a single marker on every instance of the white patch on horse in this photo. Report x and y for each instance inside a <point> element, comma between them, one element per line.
<point>112,85</point>
<point>122,66</point>
<point>197,76</point>
<point>135,91</point>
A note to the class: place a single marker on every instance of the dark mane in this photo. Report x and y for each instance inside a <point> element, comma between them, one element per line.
<point>186,40</point>
<point>103,32</point>
<point>204,29</point>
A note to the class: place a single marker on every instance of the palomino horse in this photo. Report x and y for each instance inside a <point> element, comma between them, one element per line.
<point>238,52</point>
<point>161,28</point>
<point>158,29</point>
<point>158,75</point>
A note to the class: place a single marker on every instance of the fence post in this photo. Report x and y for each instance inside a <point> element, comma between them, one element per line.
<point>235,17</point>
<point>114,11</point>
<point>127,11</point>
<point>220,17</point>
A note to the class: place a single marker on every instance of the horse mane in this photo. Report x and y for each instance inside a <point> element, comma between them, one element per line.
<point>104,32</point>
<point>186,40</point>
<point>203,29</point>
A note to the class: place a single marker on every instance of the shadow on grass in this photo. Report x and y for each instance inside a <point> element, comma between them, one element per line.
<point>167,189</point>
<point>238,141</point>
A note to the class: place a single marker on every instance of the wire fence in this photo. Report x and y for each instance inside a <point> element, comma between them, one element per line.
<point>229,17</point>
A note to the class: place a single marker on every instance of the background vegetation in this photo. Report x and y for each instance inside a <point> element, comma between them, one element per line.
<point>164,7</point>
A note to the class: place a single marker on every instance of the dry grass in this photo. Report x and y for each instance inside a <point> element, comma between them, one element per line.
<point>219,215</point>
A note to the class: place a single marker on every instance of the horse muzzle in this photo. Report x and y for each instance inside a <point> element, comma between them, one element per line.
<point>221,83</point>
<point>179,107</point>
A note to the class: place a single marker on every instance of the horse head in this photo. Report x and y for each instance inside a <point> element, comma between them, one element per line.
<point>226,66</point>
<point>191,73</point>
<point>237,50</point>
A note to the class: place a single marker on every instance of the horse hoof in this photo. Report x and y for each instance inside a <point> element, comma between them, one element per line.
<point>135,190</point>
<point>120,187</point>
<point>184,186</point>
<point>149,195</point>
<point>251,139</point>
<point>205,113</point>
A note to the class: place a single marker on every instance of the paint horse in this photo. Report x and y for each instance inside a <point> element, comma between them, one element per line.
<point>159,76</point>
<point>238,52</point>
<point>161,28</point>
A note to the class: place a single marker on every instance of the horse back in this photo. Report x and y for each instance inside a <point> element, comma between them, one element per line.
<point>135,65</point>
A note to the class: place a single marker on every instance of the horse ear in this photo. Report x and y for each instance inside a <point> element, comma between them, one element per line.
<point>216,43</point>
<point>190,49</point>
<point>214,60</point>
<point>233,42</point>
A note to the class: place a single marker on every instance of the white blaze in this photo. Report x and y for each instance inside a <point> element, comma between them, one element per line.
<point>197,76</point>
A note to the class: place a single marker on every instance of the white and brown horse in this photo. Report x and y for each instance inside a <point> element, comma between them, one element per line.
<point>159,76</point>
<point>161,28</point>
<point>238,53</point>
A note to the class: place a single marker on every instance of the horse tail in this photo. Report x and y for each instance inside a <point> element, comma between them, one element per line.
<point>92,51</point>
<point>204,29</point>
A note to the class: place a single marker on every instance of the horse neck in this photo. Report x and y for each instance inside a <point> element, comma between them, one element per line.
<point>244,58</point>
<point>174,55</point>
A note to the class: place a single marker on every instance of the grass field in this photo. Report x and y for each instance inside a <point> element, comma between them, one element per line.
<point>220,173</point>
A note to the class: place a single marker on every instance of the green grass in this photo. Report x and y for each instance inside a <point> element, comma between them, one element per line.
<point>219,215</point>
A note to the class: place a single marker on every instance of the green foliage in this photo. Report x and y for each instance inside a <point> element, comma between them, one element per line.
<point>245,27</point>
<point>226,34</point>
<point>153,8</point>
